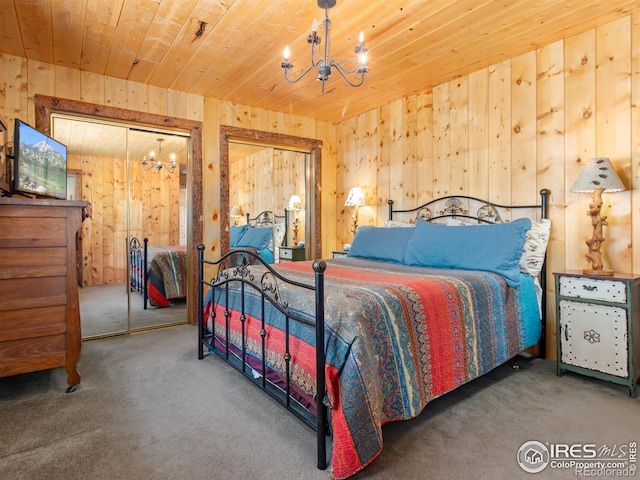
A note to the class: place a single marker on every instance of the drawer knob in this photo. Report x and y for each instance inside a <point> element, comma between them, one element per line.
<point>590,288</point>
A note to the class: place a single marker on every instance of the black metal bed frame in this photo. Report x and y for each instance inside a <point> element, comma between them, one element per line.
<point>267,287</point>
<point>138,255</point>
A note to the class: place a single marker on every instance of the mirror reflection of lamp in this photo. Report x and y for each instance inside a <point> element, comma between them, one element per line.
<point>295,204</point>
<point>355,199</point>
<point>235,214</point>
<point>596,177</point>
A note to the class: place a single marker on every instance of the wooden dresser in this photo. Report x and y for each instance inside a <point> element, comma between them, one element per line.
<point>39,307</point>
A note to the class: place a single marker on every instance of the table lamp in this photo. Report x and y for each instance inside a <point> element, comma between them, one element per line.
<point>355,199</point>
<point>596,177</point>
<point>235,213</point>
<point>295,204</point>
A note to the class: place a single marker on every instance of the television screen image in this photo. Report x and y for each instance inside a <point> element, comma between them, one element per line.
<point>40,163</point>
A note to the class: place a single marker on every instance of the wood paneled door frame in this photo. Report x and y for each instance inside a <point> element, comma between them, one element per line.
<point>46,105</point>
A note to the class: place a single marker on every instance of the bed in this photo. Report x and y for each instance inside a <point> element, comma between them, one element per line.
<point>158,273</point>
<point>410,314</point>
<point>262,234</point>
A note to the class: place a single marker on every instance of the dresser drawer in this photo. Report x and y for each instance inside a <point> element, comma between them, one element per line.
<point>593,289</point>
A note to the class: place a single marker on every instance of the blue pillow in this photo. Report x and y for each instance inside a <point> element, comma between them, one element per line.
<point>236,233</point>
<point>495,248</point>
<point>256,237</point>
<point>381,243</point>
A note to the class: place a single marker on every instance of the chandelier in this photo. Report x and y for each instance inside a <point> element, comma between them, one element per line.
<point>354,77</point>
<point>157,164</point>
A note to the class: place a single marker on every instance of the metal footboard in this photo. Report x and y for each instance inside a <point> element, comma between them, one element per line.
<point>234,271</point>
<point>138,268</point>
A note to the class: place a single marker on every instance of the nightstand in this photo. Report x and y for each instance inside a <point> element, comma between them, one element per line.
<point>339,254</point>
<point>598,320</point>
<point>292,254</point>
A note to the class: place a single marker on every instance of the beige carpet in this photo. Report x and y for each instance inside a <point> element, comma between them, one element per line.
<point>104,309</point>
<point>148,409</point>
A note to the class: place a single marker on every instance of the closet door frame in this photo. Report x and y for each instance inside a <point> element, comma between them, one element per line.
<point>46,105</point>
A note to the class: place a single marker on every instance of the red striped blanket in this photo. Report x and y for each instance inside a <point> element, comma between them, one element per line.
<point>166,275</point>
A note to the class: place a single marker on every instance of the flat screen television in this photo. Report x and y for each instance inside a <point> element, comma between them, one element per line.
<point>39,163</point>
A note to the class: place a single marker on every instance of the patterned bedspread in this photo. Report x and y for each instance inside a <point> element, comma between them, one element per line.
<point>396,338</point>
<point>166,275</point>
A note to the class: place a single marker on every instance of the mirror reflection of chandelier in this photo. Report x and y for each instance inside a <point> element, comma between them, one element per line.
<point>157,164</point>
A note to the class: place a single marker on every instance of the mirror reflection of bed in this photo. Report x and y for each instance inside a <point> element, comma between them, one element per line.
<point>268,178</point>
<point>129,200</point>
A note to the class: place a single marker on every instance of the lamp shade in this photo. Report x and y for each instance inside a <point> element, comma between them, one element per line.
<point>236,211</point>
<point>598,174</point>
<point>295,202</point>
<point>356,198</point>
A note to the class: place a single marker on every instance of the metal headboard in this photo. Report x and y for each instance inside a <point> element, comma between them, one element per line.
<point>473,209</point>
<point>267,218</point>
<point>482,211</point>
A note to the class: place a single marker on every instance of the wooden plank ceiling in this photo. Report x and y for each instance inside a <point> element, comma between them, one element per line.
<point>232,49</point>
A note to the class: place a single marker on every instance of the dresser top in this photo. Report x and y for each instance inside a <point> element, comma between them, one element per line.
<point>42,202</point>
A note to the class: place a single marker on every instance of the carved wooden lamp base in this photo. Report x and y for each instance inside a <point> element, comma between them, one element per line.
<point>595,255</point>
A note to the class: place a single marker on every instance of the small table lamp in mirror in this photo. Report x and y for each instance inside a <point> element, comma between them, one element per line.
<point>356,198</point>
<point>235,214</point>
<point>596,177</point>
<point>295,204</point>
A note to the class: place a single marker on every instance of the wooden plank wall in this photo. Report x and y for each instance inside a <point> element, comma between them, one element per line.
<point>507,131</point>
<point>21,79</point>
<point>104,180</point>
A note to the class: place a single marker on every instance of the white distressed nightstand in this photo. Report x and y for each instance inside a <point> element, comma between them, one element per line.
<point>292,254</point>
<point>598,320</point>
<point>339,254</point>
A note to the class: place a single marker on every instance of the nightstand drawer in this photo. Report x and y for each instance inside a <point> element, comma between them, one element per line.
<point>593,289</point>
<point>286,254</point>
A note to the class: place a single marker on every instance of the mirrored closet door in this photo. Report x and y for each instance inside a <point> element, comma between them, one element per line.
<point>135,182</point>
<point>269,179</point>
